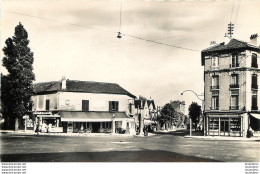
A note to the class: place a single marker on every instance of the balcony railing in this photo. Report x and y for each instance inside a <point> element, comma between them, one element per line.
<point>234,86</point>
<point>254,65</point>
<point>253,86</point>
<point>234,65</point>
<point>214,87</point>
<point>254,108</point>
<point>214,108</point>
<point>233,107</point>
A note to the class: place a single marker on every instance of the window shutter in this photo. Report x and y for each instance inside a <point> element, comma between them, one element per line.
<point>83,105</point>
<point>110,106</point>
<point>87,105</point>
<point>217,102</point>
<point>116,109</point>
<point>47,105</point>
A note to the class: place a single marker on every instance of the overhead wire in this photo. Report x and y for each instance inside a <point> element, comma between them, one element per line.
<point>83,26</point>
<point>237,12</point>
<point>120,16</point>
<point>53,20</point>
<point>232,10</point>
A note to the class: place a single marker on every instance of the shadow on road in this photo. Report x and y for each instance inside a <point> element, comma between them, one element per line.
<point>111,156</point>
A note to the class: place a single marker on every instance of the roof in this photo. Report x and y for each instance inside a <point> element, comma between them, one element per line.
<point>233,44</point>
<point>80,86</point>
<point>149,102</point>
<point>139,103</point>
<point>91,116</point>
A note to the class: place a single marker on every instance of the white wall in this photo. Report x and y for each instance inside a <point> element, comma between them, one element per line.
<point>97,102</point>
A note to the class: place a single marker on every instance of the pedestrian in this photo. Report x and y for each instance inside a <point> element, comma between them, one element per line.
<point>37,129</point>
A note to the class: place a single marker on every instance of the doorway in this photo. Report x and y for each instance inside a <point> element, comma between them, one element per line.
<point>95,127</point>
<point>224,127</point>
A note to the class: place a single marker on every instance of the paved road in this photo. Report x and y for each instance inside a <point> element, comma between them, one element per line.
<point>157,148</point>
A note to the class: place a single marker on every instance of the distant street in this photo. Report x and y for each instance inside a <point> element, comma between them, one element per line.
<point>164,147</point>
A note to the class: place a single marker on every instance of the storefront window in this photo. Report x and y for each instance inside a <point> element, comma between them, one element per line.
<point>214,124</point>
<point>235,124</point>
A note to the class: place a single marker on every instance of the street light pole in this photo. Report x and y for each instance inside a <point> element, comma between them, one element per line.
<point>198,96</point>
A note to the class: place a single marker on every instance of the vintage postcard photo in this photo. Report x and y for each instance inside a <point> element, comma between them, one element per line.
<point>130,81</point>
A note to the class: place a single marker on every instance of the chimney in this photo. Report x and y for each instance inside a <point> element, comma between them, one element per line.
<point>212,43</point>
<point>253,39</point>
<point>63,82</point>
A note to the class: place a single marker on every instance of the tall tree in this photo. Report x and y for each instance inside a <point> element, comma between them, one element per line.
<point>167,114</point>
<point>195,112</point>
<point>17,84</point>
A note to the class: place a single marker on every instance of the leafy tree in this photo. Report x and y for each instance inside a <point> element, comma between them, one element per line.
<point>167,114</point>
<point>195,112</point>
<point>17,84</point>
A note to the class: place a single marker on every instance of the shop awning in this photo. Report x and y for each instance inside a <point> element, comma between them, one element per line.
<point>48,116</point>
<point>256,116</point>
<point>75,116</point>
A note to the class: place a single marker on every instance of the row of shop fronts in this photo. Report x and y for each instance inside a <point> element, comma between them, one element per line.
<point>236,125</point>
<point>82,122</point>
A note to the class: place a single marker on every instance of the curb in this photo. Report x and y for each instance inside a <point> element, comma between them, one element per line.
<point>223,138</point>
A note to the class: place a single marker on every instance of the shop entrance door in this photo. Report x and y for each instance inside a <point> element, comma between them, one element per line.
<point>95,127</point>
<point>224,127</point>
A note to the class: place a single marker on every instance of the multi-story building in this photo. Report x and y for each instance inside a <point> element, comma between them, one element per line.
<point>179,106</point>
<point>73,106</point>
<point>231,87</point>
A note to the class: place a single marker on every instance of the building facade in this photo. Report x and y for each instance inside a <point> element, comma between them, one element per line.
<point>143,111</point>
<point>179,106</point>
<point>231,80</point>
<point>82,106</point>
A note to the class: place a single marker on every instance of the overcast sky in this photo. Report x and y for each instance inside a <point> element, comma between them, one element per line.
<point>143,68</point>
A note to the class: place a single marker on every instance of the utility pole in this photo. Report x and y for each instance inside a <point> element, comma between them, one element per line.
<point>230,30</point>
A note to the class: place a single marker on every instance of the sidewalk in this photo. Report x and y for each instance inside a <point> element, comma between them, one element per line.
<point>223,138</point>
<point>22,132</point>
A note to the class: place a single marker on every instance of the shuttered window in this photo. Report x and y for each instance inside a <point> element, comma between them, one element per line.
<point>254,102</point>
<point>254,60</point>
<point>254,81</point>
<point>85,105</point>
<point>113,106</point>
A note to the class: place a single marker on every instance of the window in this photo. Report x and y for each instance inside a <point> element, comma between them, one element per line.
<point>234,61</point>
<point>254,61</point>
<point>85,105</point>
<point>215,82</point>
<point>47,105</point>
<point>234,81</point>
<point>254,82</point>
<point>113,106</point>
<point>215,103</point>
<point>254,101</point>
<point>234,102</point>
<point>214,61</point>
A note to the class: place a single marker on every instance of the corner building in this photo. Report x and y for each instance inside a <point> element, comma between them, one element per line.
<point>231,80</point>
